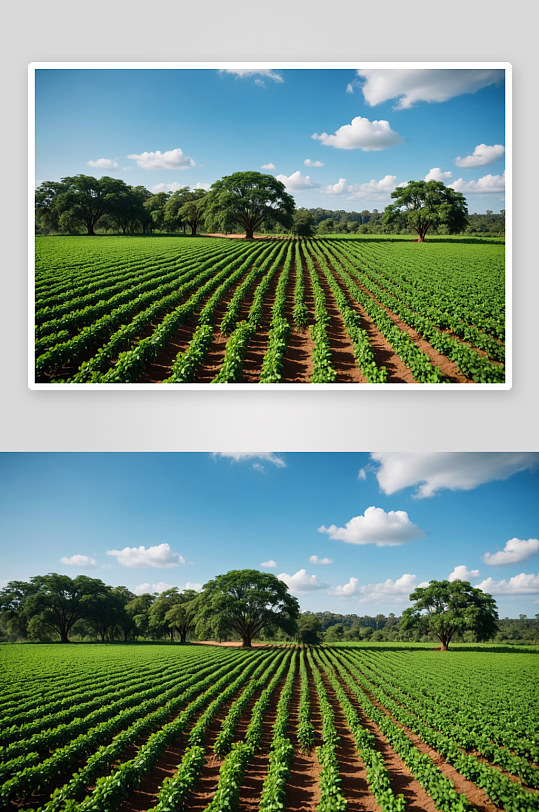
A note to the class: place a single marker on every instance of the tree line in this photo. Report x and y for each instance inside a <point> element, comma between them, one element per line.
<point>246,201</point>
<point>240,605</point>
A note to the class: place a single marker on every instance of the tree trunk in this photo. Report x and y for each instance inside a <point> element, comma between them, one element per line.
<point>183,636</point>
<point>246,642</point>
<point>63,637</point>
<point>249,234</point>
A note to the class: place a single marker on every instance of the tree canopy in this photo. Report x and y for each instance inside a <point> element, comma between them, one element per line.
<point>250,199</point>
<point>245,602</point>
<point>423,204</point>
<point>444,608</point>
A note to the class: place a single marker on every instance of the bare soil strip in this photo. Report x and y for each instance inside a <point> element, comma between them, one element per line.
<point>448,367</point>
<point>384,355</point>
<point>257,769</point>
<point>342,349</point>
<point>214,358</point>
<point>252,365</point>
<point>446,331</point>
<point>297,361</point>
<point>463,786</point>
<point>351,769</point>
<point>302,791</point>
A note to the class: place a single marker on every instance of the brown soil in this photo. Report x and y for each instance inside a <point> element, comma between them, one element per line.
<point>241,236</point>
<point>252,365</point>
<point>352,770</point>
<point>342,349</point>
<point>213,361</point>
<point>229,644</point>
<point>302,791</point>
<point>448,367</point>
<point>384,355</point>
<point>257,769</point>
<point>297,360</point>
<point>463,786</point>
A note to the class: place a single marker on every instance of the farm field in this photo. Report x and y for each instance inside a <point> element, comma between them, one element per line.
<point>93,728</point>
<point>148,310</point>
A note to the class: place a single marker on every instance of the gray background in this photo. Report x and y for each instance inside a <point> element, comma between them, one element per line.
<point>296,30</point>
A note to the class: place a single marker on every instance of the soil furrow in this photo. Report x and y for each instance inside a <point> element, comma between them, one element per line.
<point>463,786</point>
<point>351,769</point>
<point>384,354</point>
<point>297,360</point>
<point>252,364</point>
<point>448,367</point>
<point>302,790</point>
<point>342,349</point>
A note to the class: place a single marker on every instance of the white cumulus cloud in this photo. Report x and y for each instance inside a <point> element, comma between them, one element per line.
<point>370,136</point>
<point>390,591</point>
<point>373,189</point>
<point>315,560</point>
<point>437,174</point>
<point>265,72</point>
<point>488,184</point>
<point>522,584</point>
<point>158,556</point>
<point>175,186</point>
<point>172,159</point>
<point>268,166</point>
<point>376,527</point>
<point>346,590</point>
<point>243,456</point>
<point>462,573</point>
<point>454,470</point>
<point>301,582</point>
<point>429,85</point>
<point>308,162</point>
<point>82,561</point>
<point>515,551</point>
<point>482,155</point>
<point>297,182</point>
<point>103,163</point>
<point>269,564</point>
<point>143,589</point>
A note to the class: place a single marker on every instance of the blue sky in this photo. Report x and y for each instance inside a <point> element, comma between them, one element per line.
<point>375,129</point>
<point>348,532</point>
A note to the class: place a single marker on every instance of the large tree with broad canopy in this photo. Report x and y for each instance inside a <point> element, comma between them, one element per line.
<point>245,602</point>
<point>444,608</point>
<point>423,204</point>
<point>249,199</point>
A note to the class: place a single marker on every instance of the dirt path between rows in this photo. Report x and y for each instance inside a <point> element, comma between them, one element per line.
<point>342,349</point>
<point>384,354</point>
<point>351,768</point>
<point>42,795</point>
<point>252,365</point>
<point>463,786</point>
<point>302,790</point>
<point>297,360</point>
<point>448,367</point>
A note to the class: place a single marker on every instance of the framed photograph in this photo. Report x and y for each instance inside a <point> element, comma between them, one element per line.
<point>326,225</point>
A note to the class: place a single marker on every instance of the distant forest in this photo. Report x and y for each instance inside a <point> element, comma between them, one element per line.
<point>335,627</point>
<point>370,222</point>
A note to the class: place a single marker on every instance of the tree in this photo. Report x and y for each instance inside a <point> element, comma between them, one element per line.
<point>186,206</point>
<point>181,615</point>
<point>423,204</point>
<point>251,198</point>
<point>334,633</point>
<point>139,611</point>
<point>245,602</point>
<point>444,608</point>
<point>88,199</point>
<point>60,600</point>
<point>303,223</point>
<point>309,629</point>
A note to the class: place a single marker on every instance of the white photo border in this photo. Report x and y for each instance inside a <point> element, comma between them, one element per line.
<point>33,66</point>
